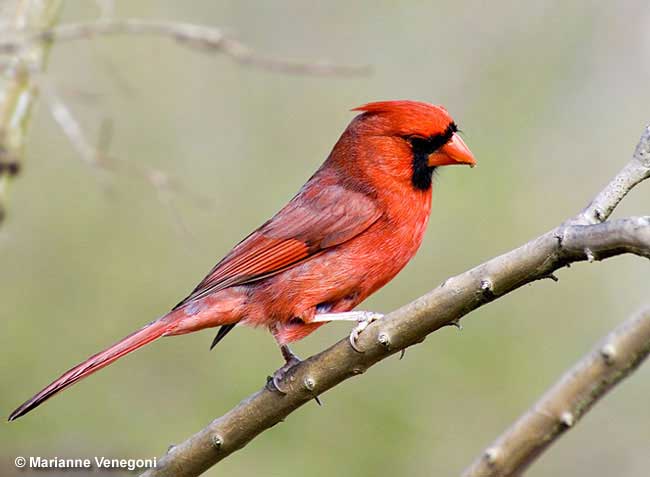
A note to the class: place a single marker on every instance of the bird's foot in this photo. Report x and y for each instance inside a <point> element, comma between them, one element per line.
<point>291,360</point>
<point>364,320</point>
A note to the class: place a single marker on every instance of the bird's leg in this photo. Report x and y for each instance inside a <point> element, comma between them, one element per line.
<point>363,318</point>
<point>290,361</point>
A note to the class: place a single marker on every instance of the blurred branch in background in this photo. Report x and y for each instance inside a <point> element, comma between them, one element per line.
<point>615,358</point>
<point>576,240</point>
<point>18,92</point>
<point>200,37</point>
<point>27,34</point>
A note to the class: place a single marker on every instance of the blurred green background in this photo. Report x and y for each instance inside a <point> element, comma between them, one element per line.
<point>552,97</point>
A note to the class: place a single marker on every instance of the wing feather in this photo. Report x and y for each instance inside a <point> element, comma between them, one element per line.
<point>319,217</point>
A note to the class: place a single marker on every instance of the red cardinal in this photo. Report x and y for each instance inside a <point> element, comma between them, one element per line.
<point>350,229</point>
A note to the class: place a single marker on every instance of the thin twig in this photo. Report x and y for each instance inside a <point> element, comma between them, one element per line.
<point>612,360</point>
<point>200,37</point>
<point>409,325</point>
<point>101,162</point>
<point>67,122</point>
<point>635,171</point>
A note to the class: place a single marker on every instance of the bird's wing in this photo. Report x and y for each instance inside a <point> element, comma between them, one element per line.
<point>319,217</point>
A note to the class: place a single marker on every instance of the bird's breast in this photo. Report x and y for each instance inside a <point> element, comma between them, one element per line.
<point>398,235</point>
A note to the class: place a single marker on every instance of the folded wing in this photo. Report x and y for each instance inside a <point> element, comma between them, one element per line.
<point>319,217</point>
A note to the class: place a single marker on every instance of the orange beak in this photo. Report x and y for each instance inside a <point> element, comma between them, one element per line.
<point>454,152</point>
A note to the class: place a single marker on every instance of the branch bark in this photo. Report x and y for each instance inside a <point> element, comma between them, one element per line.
<point>576,240</point>
<point>612,360</point>
<point>18,93</point>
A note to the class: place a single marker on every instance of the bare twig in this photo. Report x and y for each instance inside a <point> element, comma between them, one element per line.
<point>615,358</point>
<point>637,170</point>
<point>67,122</point>
<point>200,37</point>
<point>98,157</point>
<point>445,305</point>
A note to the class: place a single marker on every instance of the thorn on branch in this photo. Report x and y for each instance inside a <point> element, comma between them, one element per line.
<point>217,441</point>
<point>487,288</point>
<point>608,352</point>
<point>567,419</point>
<point>491,455</point>
<point>384,339</point>
<point>590,255</point>
<point>598,214</point>
<point>309,383</point>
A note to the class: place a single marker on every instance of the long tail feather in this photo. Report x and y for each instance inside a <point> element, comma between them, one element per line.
<point>96,362</point>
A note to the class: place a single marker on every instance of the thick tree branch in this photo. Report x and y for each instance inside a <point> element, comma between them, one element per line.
<point>410,324</point>
<point>615,358</point>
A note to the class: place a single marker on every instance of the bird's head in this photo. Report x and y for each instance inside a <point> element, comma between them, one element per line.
<point>419,135</point>
<point>428,128</point>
